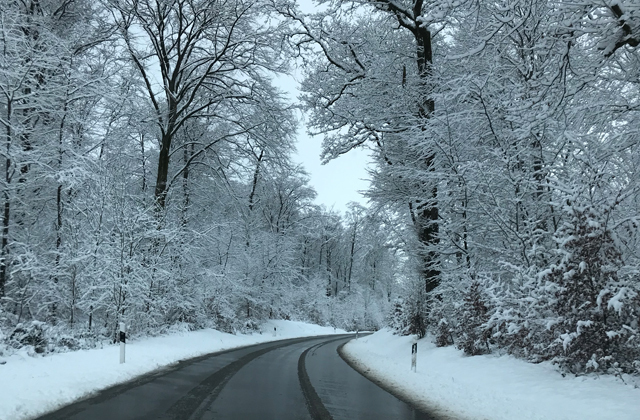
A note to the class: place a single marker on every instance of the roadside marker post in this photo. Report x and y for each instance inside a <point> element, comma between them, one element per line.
<point>414,355</point>
<point>274,331</point>
<point>123,339</point>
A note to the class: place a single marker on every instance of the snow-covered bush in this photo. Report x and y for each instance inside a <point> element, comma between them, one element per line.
<point>30,334</point>
<point>472,317</point>
<point>45,338</point>
<point>517,319</point>
<point>444,333</point>
<point>596,308</point>
<point>395,318</point>
<point>409,316</point>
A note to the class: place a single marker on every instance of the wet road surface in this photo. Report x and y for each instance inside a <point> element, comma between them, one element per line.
<point>297,379</point>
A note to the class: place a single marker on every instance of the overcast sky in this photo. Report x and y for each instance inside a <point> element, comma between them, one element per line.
<point>339,181</point>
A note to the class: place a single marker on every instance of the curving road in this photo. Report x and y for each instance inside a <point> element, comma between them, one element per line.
<point>290,379</point>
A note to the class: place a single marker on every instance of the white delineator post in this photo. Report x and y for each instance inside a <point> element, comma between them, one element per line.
<point>123,339</point>
<point>414,355</point>
<point>274,331</point>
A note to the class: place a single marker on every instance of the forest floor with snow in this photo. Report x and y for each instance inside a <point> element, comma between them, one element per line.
<point>489,387</point>
<point>30,386</point>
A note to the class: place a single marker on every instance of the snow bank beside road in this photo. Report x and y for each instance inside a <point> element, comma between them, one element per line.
<point>30,386</point>
<point>490,387</point>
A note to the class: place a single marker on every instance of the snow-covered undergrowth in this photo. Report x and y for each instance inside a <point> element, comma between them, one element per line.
<point>30,386</point>
<point>490,387</point>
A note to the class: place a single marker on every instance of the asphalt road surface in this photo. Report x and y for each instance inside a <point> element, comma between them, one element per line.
<point>294,379</point>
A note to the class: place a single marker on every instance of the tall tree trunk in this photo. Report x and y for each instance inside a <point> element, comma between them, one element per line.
<point>4,250</point>
<point>165,149</point>
<point>143,163</point>
<point>163,170</point>
<point>59,210</point>
<point>256,175</point>
<point>186,202</point>
<point>351,254</point>
<point>425,215</point>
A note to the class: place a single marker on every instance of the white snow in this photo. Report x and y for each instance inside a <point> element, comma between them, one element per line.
<point>490,387</point>
<point>616,302</point>
<point>31,386</point>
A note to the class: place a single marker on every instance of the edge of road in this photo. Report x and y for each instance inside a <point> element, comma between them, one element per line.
<point>316,408</point>
<point>416,403</point>
<point>215,379</point>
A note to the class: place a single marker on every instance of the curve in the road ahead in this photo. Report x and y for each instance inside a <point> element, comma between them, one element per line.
<point>170,393</point>
<point>348,395</point>
<point>208,389</point>
<point>316,408</point>
<point>296,379</point>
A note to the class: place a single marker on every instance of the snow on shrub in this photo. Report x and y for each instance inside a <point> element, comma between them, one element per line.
<point>594,305</point>
<point>473,316</point>
<point>409,316</point>
<point>29,334</point>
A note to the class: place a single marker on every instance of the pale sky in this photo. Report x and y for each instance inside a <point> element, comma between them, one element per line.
<point>339,181</point>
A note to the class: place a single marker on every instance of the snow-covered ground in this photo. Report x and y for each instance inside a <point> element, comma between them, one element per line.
<point>30,386</point>
<point>490,387</point>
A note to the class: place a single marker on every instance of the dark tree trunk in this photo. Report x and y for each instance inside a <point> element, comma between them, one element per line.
<point>188,152</point>
<point>163,170</point>
<point>165,149</point>
<point>5,240</point>
<point>425,215</point>
<point>351,254</point>
<point>144,168</point>
<point>254,184</point>
<point>7,206</point>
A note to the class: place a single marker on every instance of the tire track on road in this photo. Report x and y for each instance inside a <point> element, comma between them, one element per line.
<point>204,394</point>
<point>316,408</point>
<point>192,400</point>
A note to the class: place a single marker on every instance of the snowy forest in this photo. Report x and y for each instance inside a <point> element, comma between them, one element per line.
<point>148,173</point>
